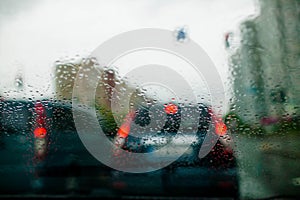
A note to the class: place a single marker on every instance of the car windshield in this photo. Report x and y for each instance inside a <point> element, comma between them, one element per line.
<point>141,99</point>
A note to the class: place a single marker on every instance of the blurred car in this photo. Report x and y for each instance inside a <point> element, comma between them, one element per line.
<point>215,172</point>
<point>41,153</point>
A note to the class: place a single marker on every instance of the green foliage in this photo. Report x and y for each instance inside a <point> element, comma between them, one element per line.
<point>106,120</point>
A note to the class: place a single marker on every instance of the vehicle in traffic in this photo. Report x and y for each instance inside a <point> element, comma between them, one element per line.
<point>49,157</point>
<point>217,171</point>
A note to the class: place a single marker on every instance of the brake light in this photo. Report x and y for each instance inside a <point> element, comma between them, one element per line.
<point>171,109</point>
<point>220,128</point>
<point>124,129</point>
<point>40,120</point>
<point>40,132</point>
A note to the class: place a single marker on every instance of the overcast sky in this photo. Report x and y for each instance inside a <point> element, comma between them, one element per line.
<point>34,34</point>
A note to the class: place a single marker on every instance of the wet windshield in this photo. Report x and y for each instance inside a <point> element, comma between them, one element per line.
<point>148,99</point>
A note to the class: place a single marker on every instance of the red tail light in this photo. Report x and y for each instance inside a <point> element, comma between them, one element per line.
<point>40,120</point>
<point>124,129</point>
<point>171,109</point>
<point>40,132</point>
<point>220,128</point>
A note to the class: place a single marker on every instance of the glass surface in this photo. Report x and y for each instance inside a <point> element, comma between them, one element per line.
<point>150,99</point>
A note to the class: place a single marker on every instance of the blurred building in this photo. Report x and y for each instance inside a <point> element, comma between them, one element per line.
<point>111,89</point>
<point>66,73</point>
<point>266,67</point>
